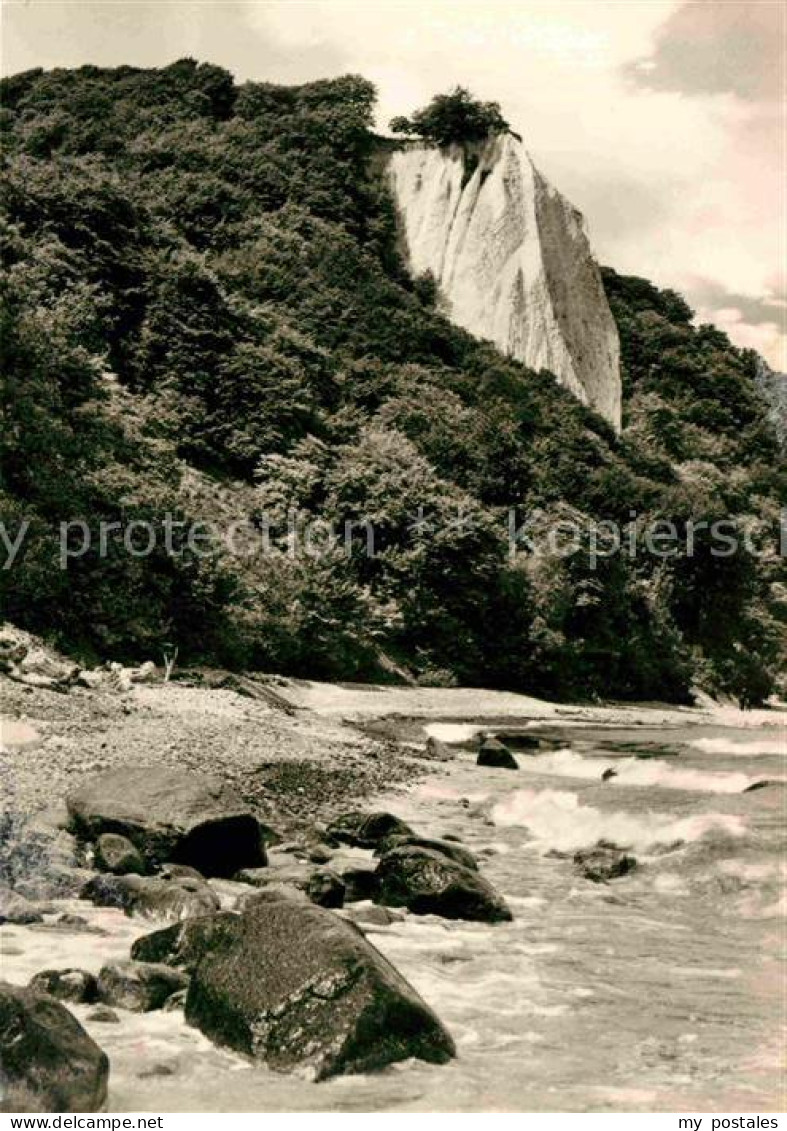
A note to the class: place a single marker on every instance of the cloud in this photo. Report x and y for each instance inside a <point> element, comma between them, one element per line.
<point>152,33</point>
<point>756,311</point>
<point>718,47</point>
<point>755,322</point>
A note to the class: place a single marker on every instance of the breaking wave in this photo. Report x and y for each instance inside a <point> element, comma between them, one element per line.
<point>743,747</point>
<point>635,771</point>
<point>556,819</point>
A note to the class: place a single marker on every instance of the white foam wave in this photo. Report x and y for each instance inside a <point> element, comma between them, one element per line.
<point>556,819</point>
<point>452,732</point>
<point>743,746</point>
<point>635,771</point>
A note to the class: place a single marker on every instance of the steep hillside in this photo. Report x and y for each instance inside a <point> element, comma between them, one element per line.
<point>206,318</point>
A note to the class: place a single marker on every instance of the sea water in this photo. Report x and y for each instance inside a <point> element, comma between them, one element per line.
<point>663,990</point>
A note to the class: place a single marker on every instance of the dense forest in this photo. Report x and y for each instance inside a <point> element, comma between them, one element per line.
<point>206,318</point>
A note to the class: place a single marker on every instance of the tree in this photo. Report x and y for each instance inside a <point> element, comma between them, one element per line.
<point>453,117</point>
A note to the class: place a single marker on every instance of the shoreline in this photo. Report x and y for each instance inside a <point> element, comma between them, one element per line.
<point>307,746</point>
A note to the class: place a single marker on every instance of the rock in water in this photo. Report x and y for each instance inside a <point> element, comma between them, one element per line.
<point>170,815</point>
<point>139,986</point>
<point>15,908</point>
<point>151,896</point>
<point>766,783</point>
<point>528,742</point>
<point>116,854</point>
<point>103,1015</point>
<point>184,944</point>
<point>429,883</point>
<point>326,889</point>
<point>365,830</point>
<point>66,985</point>
<point>494,753</point>
<point>297,987</point>
<point>604,862</point>
<point>48,1061</point>
<point>437,751</point>
<point>447,848</point>
<point>360,883</point>
<point>511,260</point>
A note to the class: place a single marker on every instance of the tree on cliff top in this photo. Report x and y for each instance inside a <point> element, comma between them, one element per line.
<point>453,117</point>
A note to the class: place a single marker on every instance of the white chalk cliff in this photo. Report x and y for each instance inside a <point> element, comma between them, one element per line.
<point>511,259</point>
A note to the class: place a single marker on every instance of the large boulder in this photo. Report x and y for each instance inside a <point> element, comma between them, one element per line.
<point>365,830</point>
<point>297,987</point>
<point>447,848</point>
<point>49,1063</point>
<point>493,753</point>
<point>66,985</point>
<point>139,986</point>
<point>170,815</point>
<point>429,883</point>
<point>152,897</point>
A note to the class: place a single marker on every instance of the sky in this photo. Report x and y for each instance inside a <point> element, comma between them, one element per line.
<point>662,120</point>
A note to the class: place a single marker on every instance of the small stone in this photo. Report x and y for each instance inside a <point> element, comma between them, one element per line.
<point>326,889</point>
<point>373,916</point>
<point>103,1015</point>
<point>366,830</point>
<point>604,862</point>
<point>175,1002</point>
<point>66,985</point>
<point>359,884</point>
<point>156,1070</point>
<point>139,986</point>
<point>494,754</point>
<point>117,855</point>
<point>17,909</point>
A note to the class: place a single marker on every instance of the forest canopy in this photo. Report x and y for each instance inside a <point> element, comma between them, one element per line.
<point>205,316</point>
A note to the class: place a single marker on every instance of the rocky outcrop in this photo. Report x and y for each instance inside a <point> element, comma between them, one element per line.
<point>511,260</point>
<point>49,1063</point>
<point>428,883</point>
<point>170,815</point>
<point>295,986</point>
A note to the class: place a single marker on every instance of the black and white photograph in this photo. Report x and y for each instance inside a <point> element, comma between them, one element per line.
<point>393,524</point>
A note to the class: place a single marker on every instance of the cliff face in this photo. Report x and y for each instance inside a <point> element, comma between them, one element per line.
<point>511,260</point>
